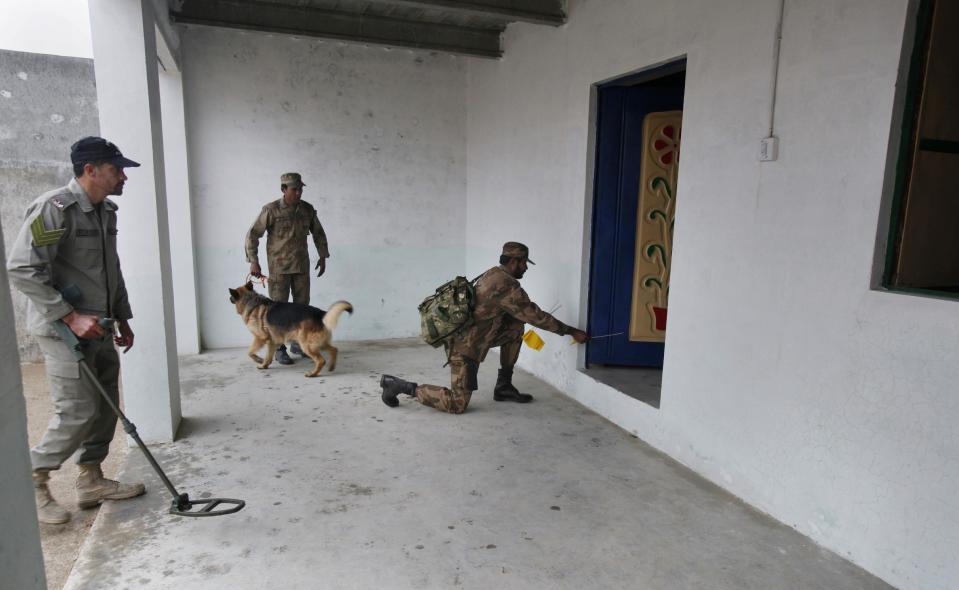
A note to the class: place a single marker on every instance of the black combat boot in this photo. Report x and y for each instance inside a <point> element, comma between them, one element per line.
<point>504,390</point>
<point>281,356</point>
<point>295,349</point>
<point>392,387</point>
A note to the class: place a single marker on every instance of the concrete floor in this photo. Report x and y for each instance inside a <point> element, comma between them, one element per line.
<point>61,543</point>
<point>344,492</point>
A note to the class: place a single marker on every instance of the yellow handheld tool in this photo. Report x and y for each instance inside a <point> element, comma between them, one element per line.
<point>533,340</point>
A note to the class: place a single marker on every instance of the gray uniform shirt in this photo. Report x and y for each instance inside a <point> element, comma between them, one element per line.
<point>66,241</point>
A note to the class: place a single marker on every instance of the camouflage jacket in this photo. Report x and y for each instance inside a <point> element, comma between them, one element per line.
<point>286,228</point>
<point>67,241</point>
<point>499,296</point>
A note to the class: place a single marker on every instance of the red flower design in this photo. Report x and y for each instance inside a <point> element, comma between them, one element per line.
<point>666,145</point>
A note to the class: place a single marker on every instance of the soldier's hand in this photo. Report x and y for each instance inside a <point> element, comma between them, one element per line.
<point>84,326</point>
<point>255,269</point>
<point>125,337</point>
<point>320,264</point>
<point>579,336</point>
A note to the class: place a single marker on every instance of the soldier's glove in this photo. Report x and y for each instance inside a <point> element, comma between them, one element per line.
<point>320,264</point>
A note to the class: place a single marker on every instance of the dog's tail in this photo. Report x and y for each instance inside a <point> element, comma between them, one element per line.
<point>333,314</point>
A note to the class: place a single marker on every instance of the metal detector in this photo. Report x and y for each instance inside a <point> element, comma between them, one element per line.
<point>182,505</point>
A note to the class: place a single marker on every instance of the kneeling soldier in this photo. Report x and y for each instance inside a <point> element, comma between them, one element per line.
<point>502,309</point>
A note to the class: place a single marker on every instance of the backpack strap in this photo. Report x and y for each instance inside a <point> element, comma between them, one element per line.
<point>449,353</point>
<point>448,343</point>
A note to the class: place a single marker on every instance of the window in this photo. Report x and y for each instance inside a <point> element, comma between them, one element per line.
<point>924,230</point>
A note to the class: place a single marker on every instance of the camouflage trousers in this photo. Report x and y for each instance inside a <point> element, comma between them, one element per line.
<point>281,285</point>
<point>81,419</point>
<point>456,398</point>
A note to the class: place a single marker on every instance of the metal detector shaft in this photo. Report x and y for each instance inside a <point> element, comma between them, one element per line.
<point>181,502</point>
<point>72,342</point>
<point>131,429</point>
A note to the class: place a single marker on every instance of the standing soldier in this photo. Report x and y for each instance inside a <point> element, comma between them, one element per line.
<point>502,308</point>
<point>286,222</point>
<point>65,261</point>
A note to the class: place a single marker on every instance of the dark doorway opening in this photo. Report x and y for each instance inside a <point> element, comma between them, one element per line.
<point>639,127</point>
<point>924,242</point>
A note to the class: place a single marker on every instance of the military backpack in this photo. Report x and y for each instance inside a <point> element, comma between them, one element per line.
<point>447,311</point>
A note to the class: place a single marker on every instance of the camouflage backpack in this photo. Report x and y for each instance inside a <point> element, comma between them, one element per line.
<point>447,311</point>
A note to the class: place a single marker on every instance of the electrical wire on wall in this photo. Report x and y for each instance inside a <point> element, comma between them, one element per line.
<point>769,146</point>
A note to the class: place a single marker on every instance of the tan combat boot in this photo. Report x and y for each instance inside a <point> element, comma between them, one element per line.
<point>93,488</point>
<point>48,511</point>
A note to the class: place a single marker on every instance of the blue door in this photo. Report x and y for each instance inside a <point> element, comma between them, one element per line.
<point>622,108</point>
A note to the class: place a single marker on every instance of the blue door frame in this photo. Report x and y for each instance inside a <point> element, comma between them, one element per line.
<point>622,106</point>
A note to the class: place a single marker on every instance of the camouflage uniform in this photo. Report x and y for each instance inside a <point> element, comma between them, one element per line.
<point>502,309</point>
<point>287,256</point>
<point>66,242</point>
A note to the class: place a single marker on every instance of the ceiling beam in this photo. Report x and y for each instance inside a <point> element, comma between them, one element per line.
<point>542,12</point>
<point>312,22</point>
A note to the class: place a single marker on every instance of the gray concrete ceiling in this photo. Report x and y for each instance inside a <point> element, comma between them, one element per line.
<point>468,27</point>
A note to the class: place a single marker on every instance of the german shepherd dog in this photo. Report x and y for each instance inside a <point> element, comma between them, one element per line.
<point>273,323</point>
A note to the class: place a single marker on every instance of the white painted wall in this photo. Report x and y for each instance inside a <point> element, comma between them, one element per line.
<point>379,136</point>
<point>787,380</point>
<point>128,95</point>
<point>179,203</point>
<point>21,559</point>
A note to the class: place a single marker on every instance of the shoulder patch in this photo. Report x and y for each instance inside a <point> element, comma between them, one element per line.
<point>43,236</point>
<point>61,201</point>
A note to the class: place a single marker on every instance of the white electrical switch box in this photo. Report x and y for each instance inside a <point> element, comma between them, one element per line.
<point>768,149</point>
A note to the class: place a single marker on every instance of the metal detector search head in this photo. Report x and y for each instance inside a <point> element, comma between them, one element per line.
<point>183,506</point>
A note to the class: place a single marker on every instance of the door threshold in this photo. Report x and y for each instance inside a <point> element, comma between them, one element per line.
<point>640,383</point>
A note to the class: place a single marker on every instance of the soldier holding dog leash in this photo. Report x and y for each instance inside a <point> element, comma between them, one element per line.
<point>65,261</point>
<point>287,221</point>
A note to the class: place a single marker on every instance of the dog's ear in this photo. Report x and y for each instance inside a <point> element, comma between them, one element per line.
<point>249,285</point>
<point>234,295</point>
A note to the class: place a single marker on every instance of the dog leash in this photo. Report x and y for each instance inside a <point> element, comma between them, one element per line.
<point>260,279</point>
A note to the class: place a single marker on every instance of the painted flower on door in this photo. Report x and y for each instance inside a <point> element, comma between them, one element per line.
<point>654,230</point>
<point>665,145</point>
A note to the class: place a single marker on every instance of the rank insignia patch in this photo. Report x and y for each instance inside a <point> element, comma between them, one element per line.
<point>43,236</point>
<point>57,203</point>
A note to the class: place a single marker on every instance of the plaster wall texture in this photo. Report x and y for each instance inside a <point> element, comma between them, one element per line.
<point>379,136</point>
<point>787,380</point>
<point>21,560</point>
<point>180,211</point>
<point>46,103</point>
<point>128,91</point>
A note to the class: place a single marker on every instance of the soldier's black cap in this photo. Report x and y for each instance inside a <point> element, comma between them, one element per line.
<point>517,250</point>
<point>97,149</point>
